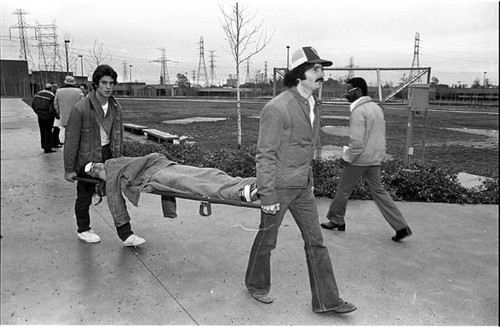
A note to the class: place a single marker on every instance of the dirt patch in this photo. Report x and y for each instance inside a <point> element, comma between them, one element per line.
<point>490,142</point>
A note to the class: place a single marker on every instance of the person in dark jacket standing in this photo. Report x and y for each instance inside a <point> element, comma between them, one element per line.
<point>288,137</point>
<point>363,158</point>
<point>43,106</point>
<point>94,132</point>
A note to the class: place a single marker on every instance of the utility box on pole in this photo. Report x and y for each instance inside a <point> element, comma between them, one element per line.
<point>418,102</point>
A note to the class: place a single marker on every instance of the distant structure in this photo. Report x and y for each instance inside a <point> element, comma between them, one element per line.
<point>24,50</point>
<point>265,71</point>
<point>164,78</point>
<point>202,68</point>
<point>49,58</point>
<point>416,61</point>
<point>213,77</point>
<point>248,78</point>
<point>350,74</point>
<point>125,71</point>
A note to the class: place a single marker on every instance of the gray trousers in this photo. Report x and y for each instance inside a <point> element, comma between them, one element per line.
<point>384,202</point>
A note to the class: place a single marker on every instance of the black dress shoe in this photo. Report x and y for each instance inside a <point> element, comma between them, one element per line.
<point>402,233</point>
<point>48,151</point>
<point>330,225</point>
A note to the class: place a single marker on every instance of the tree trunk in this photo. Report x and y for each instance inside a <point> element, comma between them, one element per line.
<point>238,105</point>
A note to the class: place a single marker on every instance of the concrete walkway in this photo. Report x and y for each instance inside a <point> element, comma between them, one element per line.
<point>191,270</point>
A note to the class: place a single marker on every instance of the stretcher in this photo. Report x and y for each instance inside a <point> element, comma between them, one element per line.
<point>205,201</point>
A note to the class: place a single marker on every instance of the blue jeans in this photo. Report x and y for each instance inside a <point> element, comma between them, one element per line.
<point>372,174</point>
<point>302,205</point>
<point>84,193</point>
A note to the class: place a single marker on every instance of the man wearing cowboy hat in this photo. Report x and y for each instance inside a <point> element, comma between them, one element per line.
<point>288,136</point>
<point>66,98</point>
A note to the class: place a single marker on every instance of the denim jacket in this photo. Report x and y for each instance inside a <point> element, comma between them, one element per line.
<point>83,137</point>
<point>286,145</point>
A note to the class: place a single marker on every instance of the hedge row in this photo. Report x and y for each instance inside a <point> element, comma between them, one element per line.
<point>430,184</point>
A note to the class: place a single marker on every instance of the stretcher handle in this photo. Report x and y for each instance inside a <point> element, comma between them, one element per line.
<point>86,180</point>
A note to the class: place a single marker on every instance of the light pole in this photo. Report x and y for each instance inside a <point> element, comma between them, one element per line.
<point>66,45</point>
<point>81,63</point>
<point>287,57</point>
<point>130,70</point>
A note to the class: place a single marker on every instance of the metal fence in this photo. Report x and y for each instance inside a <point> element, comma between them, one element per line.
<point>385,86</point>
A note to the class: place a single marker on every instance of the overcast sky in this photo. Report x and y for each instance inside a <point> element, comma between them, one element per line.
<point>458,39</point>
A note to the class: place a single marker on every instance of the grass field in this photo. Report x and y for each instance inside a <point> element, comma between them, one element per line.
<point>465,139</point>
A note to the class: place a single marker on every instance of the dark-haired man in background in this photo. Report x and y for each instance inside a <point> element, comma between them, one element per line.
<point>288,135</point>
<point>362,158</point>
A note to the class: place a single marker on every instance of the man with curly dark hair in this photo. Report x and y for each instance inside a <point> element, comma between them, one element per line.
<point>288,137</point>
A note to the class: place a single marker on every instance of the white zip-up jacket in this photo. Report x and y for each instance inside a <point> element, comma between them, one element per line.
<point>366,133</point>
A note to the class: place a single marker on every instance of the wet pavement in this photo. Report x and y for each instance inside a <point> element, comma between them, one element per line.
<point>191,270</point>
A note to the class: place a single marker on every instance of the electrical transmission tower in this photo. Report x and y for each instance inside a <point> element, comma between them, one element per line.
<point>248,78</point>
<point>350,74</point>
<point>125,71</point>
<point>164,78</point>
<point>265,71</point>
<point>24,50</point>
<point>202,68</point>
<point>49,58</point>
<point>213,77</point>
<point>416,61</point>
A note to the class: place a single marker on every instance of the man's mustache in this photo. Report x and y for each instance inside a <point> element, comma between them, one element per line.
<point>320,79</point>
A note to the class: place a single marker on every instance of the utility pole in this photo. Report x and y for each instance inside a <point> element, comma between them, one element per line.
<point>130,67</point>
<point>66,45</point>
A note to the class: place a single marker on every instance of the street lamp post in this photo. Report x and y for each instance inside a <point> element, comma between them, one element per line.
<point>130,69</point>
<point>66,44</point>
<point>287,57</point>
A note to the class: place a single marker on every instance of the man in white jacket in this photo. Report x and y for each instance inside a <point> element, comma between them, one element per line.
<point>363,158</point>
<point>66,98</point>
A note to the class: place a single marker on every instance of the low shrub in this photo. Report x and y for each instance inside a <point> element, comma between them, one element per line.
<point>428,184</point>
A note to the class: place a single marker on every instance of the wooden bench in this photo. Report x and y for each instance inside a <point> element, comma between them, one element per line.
<point>160,137</point>
<point>133,128</point>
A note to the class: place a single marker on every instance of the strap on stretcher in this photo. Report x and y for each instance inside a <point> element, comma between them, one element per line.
<point>205,201</point>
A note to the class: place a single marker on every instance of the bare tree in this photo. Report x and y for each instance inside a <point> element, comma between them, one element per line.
<point>241,37</point>
<point>98,55</point>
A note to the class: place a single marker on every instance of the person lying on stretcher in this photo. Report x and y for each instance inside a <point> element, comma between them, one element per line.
<point>130,176</point>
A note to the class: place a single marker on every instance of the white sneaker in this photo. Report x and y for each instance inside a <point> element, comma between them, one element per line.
<point>89,237</point>
<point>134,240</point>
<point>249,193</point>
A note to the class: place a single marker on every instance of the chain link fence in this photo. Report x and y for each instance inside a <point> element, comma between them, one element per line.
<point>386,86</point>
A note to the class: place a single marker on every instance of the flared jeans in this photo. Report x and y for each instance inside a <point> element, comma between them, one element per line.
<point>302,205</point>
